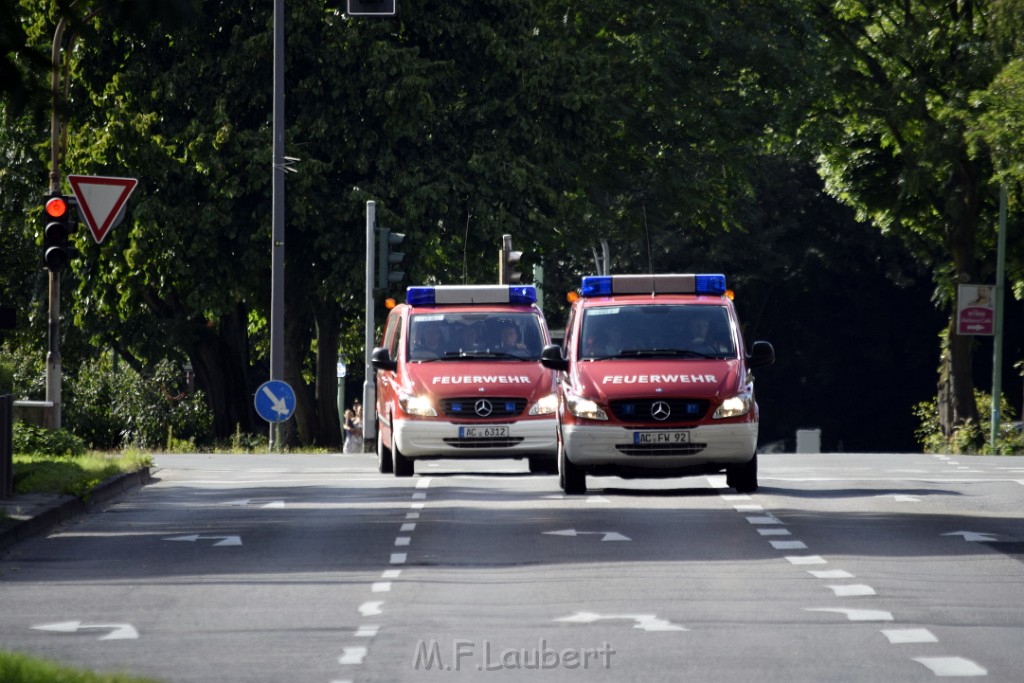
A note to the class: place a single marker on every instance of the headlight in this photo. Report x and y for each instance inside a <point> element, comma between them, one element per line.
<point>417,405</point>
<point>734,406</point>
<point>585,408</point>
<point>545,406</point>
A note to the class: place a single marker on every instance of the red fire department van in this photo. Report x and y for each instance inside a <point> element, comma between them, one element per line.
<point>459,376</point>
<point>655,381</point>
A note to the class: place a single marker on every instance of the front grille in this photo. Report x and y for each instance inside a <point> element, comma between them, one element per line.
<point>666,449</point>
<point>504,442</point>
<point>467,407</point>
<point>681,410</point>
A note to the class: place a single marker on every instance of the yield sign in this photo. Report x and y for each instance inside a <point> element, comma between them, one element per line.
<point>101,200</point>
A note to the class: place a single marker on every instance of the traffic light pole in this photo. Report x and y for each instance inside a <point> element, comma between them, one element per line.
<point>53,366</point>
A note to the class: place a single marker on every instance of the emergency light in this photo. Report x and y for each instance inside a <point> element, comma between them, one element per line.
<point>608,285</point>
<point>516,295</point>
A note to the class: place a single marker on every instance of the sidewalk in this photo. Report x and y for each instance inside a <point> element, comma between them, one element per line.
<point>31,514</point>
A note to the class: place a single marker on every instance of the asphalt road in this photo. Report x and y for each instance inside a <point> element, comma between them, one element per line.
<point>297,568</point>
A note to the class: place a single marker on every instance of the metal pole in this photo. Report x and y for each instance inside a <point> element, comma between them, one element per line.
<point>997,346</point>
<point>277,230</point>
<point>369,389</point>
<point>53,366</point>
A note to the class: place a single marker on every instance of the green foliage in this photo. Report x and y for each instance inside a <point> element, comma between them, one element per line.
<point>32,440</point>
<point>969,438</point>
<point>6,377</point>
<point>18,668</point>
<point>112,406</point>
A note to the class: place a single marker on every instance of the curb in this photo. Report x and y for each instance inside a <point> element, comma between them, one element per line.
<point>69,507</point>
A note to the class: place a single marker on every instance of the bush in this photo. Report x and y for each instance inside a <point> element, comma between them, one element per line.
<point>31,440</point>
<point>112,407</point>
<point>969,438</point>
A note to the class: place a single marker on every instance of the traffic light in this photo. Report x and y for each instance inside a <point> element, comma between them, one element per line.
<point>389,261</point>
<point>56,230</point>
<point>507,263</point>
<point>378,8</point>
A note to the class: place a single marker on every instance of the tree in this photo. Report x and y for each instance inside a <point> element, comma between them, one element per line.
<point>893,127</point>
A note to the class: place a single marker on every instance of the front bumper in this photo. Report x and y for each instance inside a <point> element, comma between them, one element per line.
<point>440,439</point>
<point>715,444</point>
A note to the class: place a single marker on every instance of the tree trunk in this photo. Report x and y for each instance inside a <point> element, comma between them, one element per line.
<point>220,359</point>
<point>328,426</point>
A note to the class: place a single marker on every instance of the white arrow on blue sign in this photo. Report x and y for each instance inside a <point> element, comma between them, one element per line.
<point>275,401</point>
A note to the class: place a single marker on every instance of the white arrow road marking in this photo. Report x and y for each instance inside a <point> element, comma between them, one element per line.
<point>606,535</point>
<point>900,636</point>
<point>352,655</point>
<point>117,631</point>
<point>371,609</point>
<point>224,540</point>
<point>855,614</point>
<point>952,666</point>
<point>973,536</point>
<point>645,622</point>
<point>278,405</point>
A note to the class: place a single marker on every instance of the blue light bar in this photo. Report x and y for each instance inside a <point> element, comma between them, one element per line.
<point>522,295</point>
<point>597,285</point>
<point>461,295</point>
<point>608,285</point>
<point>710,284</point>
<point>419,296</point>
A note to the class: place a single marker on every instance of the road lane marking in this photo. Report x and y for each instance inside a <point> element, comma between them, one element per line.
<point>855,614</point>
<point>852,590</point>
<point>901,636</point>
<point>371,609</point>
<point>789,545</point>
<point>352,655</point>
<point>952,666</point>
<point>806,559</point>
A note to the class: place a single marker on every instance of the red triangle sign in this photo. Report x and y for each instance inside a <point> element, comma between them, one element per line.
<point>100,200</point>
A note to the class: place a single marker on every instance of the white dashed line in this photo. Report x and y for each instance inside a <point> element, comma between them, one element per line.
<point>952,666</point>
<point>855,614</point>
<point>852,590</point>
<point>902,636</point>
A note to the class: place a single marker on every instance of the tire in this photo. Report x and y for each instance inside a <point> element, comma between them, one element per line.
<point>543,465</point>
<point>571,478</point>
<point>743,477</point>
<point>402,466</point>
<point>384,465</point>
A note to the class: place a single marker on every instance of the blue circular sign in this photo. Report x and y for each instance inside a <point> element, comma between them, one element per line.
<point>275,401</point>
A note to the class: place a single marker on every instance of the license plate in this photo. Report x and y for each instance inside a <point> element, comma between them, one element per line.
<point>483,432</point>
<point>645,438</point>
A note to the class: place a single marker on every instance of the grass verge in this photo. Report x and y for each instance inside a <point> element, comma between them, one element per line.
<point>16,668</point>
<point>74,475</point>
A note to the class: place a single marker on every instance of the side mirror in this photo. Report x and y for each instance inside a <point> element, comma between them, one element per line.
<point>380,358</point>
<point>761,355</point>
<point>551,358</point>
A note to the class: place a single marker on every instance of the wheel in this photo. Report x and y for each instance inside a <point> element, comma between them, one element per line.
<point>383,454</point>
<point>402,465</point>
<point>571,477</point>
<point>743,477</point>
<point>543,465</point>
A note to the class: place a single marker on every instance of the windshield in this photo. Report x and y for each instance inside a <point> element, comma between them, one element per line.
<point>486,335</point>
<point>662,330</point>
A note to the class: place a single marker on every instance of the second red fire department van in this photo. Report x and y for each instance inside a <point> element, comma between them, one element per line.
<point>459,376</point>
<point>655,381</point>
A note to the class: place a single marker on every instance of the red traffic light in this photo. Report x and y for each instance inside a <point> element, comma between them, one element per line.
<point>56,207</point>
